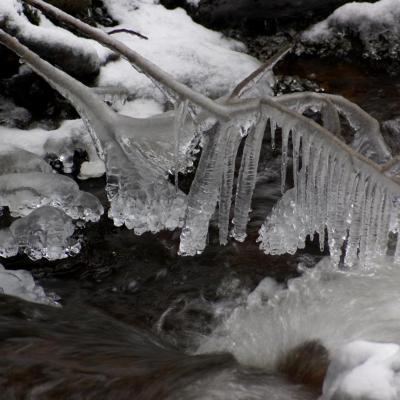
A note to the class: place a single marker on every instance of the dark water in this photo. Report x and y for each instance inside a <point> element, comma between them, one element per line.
<point>133,311</point>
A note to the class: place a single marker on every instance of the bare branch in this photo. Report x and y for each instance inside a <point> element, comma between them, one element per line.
<point>129,31</point>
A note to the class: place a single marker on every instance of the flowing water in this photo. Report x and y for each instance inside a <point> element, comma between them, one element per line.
<point>139,322</point>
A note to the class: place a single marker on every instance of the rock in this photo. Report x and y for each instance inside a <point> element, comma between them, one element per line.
<point>72,6</point>
<point>13,116</point>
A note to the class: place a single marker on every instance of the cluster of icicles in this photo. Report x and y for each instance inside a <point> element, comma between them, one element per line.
<point>335,189</point>
<point>331,194</point>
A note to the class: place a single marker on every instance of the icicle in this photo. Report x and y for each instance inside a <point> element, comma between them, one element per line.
<point>322,195</point>
<point>296,139</point>
<point>330,118</point>
<point>396,258</point>
<point>179,126</point>
<point>313,198</point>
<point>285,140</point>
<point>383,225</point>
<point>247,178</point>
<point>204,193</point>
<point>333,186</point>
<point>353,241</point>
<point>228,171</point>
<point>366,220</point>
<point>273,127</point>
<point>339,224</point>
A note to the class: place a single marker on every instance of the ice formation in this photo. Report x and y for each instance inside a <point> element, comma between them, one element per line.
<point>14,160</point>
<point>335,188</point>
<point>8,244</point>
<point>20,284</point>
<point>24,192</point>
<point>137,152</point>
<point>45,233</point>
<point>367,138</point>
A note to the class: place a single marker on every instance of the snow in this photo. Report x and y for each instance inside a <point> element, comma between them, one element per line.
<point>194,3</point>
<point>11,12</point>
<point>141,108</point>
<point>364,370</point>
<point>194,55</point>
<point>20,284</point>
<point>62,142</point>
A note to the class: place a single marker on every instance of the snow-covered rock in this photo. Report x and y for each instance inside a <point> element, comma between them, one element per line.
<point>76,55</point>
<point>375,25</point>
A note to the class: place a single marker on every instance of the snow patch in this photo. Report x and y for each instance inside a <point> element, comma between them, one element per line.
<point>20,284</point>
<point>364,370</point>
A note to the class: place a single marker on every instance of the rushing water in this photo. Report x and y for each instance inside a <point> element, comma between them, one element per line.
<point>138,322</point>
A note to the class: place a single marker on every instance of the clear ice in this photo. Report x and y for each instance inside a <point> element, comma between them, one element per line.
<point>45,233</point>
<point>15,160</point>
<point>24,192</point>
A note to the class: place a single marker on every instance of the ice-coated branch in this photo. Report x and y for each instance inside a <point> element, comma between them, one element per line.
<point>140,196</point>
<point>252,79</point>
<point>368,137</point>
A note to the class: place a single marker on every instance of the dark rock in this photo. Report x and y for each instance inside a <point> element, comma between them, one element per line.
<point>13,116</point>
<point>9,63</point>
<point>31,92</point>
<point>72,6</point>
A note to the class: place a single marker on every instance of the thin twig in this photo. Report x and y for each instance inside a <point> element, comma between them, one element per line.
<point>268,65</point>
<point>130,31</point>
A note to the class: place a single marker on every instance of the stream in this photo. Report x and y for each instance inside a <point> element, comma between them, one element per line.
<point>139,322</point>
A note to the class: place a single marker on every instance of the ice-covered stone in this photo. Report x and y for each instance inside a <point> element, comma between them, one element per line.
<point>24,192</point>
<point>45,233</point>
